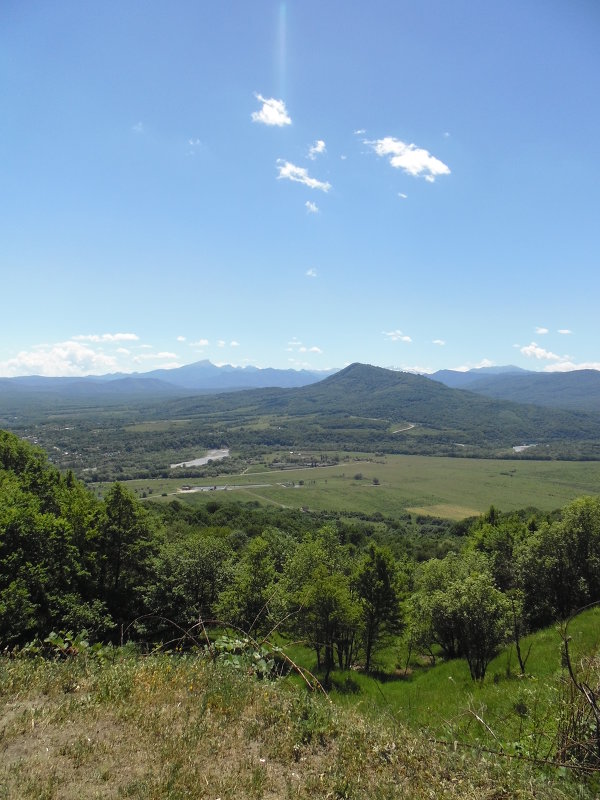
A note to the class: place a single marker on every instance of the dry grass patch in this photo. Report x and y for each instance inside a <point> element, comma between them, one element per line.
<point>174,728</point>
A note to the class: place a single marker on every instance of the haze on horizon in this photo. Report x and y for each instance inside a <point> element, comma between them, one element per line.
<point>293,184</point>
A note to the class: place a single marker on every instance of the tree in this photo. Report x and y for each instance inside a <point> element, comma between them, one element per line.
<point>458,608</point>
<point>188,576</point>
<point>483,619</point>
<point>244,603</point>
<point>124,546</point>
<point>378,590</point>
<point>558,565</point>
<point>321,602</point>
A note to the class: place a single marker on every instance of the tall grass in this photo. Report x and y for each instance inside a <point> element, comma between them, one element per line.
<point>173,727</point>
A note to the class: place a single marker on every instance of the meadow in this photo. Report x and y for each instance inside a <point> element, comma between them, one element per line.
<point>450,488</point>
<point>166,726</point>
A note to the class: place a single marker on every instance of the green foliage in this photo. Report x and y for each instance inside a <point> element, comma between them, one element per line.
<point>378,587</point>
<point>245,601</point>
<point>558,564</point>
<point>458,608</point>
<point>246,654</point>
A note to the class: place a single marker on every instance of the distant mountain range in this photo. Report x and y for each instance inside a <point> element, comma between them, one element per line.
<point>200,377</point>
<point>578,390</point>
<point>383,396</point>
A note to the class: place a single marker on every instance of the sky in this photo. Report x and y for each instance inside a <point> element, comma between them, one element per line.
<point>299,184</point>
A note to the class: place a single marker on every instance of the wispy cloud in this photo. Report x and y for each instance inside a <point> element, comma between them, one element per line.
<point>181,338</point>
<point>300,175</point>
<point>272,112</point>
<point>409,158</point>
<point>233,343</point>
<point>402,195</point>
<point>195,145</point>
<point>316,149</point>
<point>397,336</point>
<point>138,127</point>
<point>106,337</point>
<point>200,343</point>
<point>359,132</point>
<point>564,331</point>
<point>311,273</point>
<point>311,207</point>
<point>295,345</point>
<point>541,331</point>
<point>440,342</point>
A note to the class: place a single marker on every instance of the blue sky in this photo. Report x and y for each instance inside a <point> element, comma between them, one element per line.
<point>299,184</point>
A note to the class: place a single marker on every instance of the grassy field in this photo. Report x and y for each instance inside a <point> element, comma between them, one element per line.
<point>452,488</point>
<point>165,727</point>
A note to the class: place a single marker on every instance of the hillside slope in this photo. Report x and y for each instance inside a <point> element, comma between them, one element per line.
<point>578,390</point>
<point>400,397</point>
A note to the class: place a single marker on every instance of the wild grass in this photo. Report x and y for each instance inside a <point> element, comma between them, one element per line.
<point>174,727</point>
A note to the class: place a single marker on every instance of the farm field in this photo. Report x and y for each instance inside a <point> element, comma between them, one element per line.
<point>451,488</point>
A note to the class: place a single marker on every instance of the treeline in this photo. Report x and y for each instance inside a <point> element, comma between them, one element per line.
<point>346,587</point>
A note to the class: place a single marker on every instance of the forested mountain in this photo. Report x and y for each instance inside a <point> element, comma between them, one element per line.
<point>459,379</point>
<point>403,398</point>
<point>578,390</point>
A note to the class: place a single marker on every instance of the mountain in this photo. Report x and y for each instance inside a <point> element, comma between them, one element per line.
<point>202,376</point>
<point>462,379</point>
<point>578,390</point>
<point>385,398</point>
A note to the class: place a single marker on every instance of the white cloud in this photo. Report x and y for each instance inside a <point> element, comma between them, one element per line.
<point>69,358</point>
<point>402,195</point>
<point>311,207</point>
<point>446,135</point>
<point>194,142</point>
<point>359,132</point>
<point>233,343</point>
<point>397,336</point>
<point>541,331</point>
<point>485,362</point>
<point>200,343</point>
<point>533,350</point>
<point>138,127</point>
<point>409,158</point>
<point>295,345</point>
<point>273,112</point>
<point>221,343</point>
<point>564,331</point>
<point>303,349</point>
<point>311,273</point>
<point>569,366</point>
<point>123,351</point>
<point>106,337</point>
<point>300,175</point>
<point>316,149</point>
<point>441,342</point>
<point>181,338</point>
